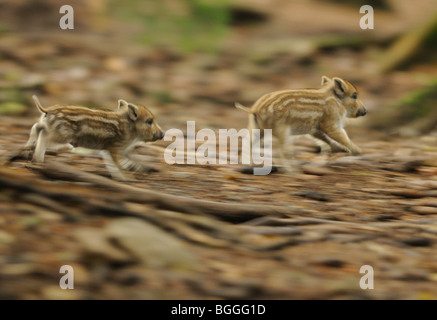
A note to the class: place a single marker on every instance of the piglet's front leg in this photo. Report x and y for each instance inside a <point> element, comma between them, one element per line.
<point>333,146</point>
<point>112,162</point>
<point>133,163</point>
<point>340,136</point>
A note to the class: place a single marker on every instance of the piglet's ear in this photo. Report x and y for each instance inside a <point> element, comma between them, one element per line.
<point>132,111</point>
<point>325,80</point>
<point>122,103</point>
<point>339,87</point>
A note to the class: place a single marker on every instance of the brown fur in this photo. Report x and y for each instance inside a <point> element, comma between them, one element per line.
<point>112,131</point>
<point>318,112</point>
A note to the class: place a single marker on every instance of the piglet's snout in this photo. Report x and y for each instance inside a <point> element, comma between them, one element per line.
<point>363,112</point>
<point>160,135</point>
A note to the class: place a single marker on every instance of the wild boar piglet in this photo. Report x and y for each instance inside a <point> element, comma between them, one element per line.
<point>113,132</point>
<point>318,112</point>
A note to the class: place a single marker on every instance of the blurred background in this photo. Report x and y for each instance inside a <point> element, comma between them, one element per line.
<point>186,53</point>
<point>191,60</point>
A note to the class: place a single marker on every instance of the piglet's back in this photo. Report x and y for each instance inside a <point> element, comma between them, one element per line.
<point>74,109</point>
<point>77,113</point>
<point>89,128</point>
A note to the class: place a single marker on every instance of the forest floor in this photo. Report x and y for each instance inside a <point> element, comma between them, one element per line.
<point>278,236</point>
<point>202,232</point>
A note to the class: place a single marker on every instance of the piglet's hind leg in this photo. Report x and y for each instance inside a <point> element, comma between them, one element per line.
<point>41,146</point>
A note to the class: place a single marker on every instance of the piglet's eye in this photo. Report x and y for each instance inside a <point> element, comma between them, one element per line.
<point>149,121</point>
<point>354,95</point>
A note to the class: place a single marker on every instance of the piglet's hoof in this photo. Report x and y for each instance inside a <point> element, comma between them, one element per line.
<point>142,167</point>
<point>150,169</point>
<point>250,170</point>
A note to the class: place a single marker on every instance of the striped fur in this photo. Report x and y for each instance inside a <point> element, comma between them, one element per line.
<point>113,132</point>
<point>318,112</point>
